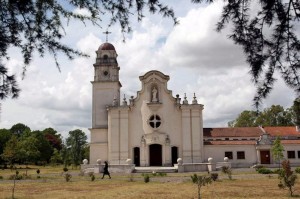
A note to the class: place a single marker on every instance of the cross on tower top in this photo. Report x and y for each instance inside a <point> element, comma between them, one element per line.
<point>106,32</point>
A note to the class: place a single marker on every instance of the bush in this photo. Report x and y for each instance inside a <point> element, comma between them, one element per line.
<point>65,169</point>
<point>68,177</point>
<point>259,166</point>
<point>1,177</point>
<point>146,178</point>
<point>162,174</point>
<point>297,170</point>
<point>214,176</point>
<point>278,171</point>
<point>264,171</point>
<point>227,170</point>
<point>92,176</point>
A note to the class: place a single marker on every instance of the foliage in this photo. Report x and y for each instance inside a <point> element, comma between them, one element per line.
<point>10,153</point>
<point>76,142</point>
<point>268,38</point>
<point>200,181</point>
<point>146,178</point>
<point>296,111</point>
<point>56,157</point>
<point>28,149</point>
<point>297,170</point>
<point>65,169</point>
<point>53,137</point>
<point>287,177</point>
<point>67,177</point>
<point>277,150</point>
<point>227,170</point>
<point>39,26</point>
<point>278,171</point>
<point>264,171</point>
<point>5,135</point>
<point>92,176</point>
<point>19,129</point>
<point>275,115</point>
<point>214,176</point>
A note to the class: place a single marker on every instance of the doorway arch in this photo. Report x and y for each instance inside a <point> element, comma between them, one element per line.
<point>136,156</point>
<point>155,155</point>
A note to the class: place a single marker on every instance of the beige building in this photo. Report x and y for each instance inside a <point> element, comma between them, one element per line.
<point>155,128</point>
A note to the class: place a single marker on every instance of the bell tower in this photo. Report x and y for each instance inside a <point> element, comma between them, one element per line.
<point>106,84</point>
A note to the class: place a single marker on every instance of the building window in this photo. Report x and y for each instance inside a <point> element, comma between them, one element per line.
<point>154,121</point>
<point>299,154</point>
<point>226,138</point>
<point>240,155</point>
<point>291,154</point>
<point>229,155</point>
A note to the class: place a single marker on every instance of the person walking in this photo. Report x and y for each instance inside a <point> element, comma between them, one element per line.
<point>105,170</point>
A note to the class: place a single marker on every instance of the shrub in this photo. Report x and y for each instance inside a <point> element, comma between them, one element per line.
<point>264,171</point>
<point>38,171</point>
<point>162,174</point>
<point>68,177</point>
<point>146,178</point>
<point>278,171</point>
<point>227,170</point>
<point>92,176</point>
<point>214,176</point>
<point>65,169</point>
<point>259,166</point>
<point>1,177</point>
<point>201,181</point>
<point>297,170</point>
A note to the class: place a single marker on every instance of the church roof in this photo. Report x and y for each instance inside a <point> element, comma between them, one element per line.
<point>106,46</point>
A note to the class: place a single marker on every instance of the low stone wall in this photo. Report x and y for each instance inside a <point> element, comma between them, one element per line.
<point>194,167</point>
<point>98,168</point>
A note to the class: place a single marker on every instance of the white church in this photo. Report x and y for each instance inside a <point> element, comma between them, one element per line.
<point>155,128</point>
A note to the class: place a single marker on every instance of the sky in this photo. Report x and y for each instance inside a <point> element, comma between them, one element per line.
<point>197,58</point>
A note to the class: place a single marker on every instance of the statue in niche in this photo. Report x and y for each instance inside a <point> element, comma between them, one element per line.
<point>154,95</point>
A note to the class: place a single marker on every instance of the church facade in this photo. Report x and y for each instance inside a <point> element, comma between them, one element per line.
<point>155,128</point>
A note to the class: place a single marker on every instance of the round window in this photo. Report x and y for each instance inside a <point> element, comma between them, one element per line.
<point>154,121</point>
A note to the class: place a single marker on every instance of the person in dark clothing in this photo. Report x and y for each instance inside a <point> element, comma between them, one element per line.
<point>105,170</point>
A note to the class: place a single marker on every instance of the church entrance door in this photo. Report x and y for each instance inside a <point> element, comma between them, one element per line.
<point>155,154</point>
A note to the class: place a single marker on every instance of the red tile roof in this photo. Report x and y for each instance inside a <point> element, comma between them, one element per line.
<point>231,142</point>
<point>250,131</point>
<point>282,131</point>
<point>232,132</point>
<point>290,141</point>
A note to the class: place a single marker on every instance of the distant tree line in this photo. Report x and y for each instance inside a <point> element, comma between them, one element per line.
<point>275,115</point>
<point>21,145</point>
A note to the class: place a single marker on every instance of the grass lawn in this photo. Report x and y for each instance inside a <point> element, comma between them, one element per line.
<point>53,185</point>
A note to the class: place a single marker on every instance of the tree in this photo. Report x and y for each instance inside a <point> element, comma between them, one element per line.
<point>277,150</point>
<point>275,115</point>
<point>268,37</point>
<point>10,153</point>
<point>244,119</point>
<point>38,26</point>
<point>201,181</point>
<point>53,137</point>
<point>5,135</point>
<point>43,146</point>
<point>75,143</point>
<point>287,177</point>
<point>296,111</point>
<point>19,129</point>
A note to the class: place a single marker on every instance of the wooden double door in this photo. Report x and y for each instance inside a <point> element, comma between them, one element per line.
<point>265,157</point>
